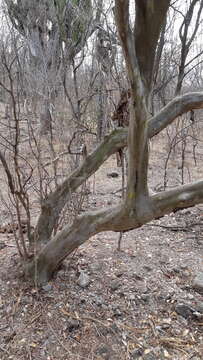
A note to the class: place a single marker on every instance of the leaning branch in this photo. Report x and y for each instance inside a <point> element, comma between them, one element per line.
<point>114,218</point>
<point>55,202</point>
<point>178,198</point>
<point>175,108</point>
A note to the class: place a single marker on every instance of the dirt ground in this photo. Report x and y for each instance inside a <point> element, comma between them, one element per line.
<point>137,303</point>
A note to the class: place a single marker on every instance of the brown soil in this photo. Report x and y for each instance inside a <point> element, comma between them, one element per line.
<point>128,311</point>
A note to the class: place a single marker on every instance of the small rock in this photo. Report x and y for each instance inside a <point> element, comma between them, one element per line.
<point>198,283</point>
<point>73,325</point>
<point>176,270</point>
<point>99,300</point>
<point>190,297</point>
<point>184,310</point>
<point>141,287</point>
<point>131,297</point>
<point>114,306</point>
<point>137,353</point>
<point>117,312</point>
<point>115,284</point>
<point>83,280</point>
<point>186,274</point>
<point>145,298</point>
<point>121,293</point>
<point>165,326</point>
<point>147,268</point>
<point>2,245</point>
<point>94,244</point>
<point>119,273</point>
<point>47,287</point>
<point>113,174</point>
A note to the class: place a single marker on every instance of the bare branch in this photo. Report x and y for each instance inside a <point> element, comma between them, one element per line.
<point>56,201</point>
<point>8,173</point>
<point>176,107</point>
<point>178,198</point>
<point>111,144</point>
<point>186,40</point>
<point>114,219</point>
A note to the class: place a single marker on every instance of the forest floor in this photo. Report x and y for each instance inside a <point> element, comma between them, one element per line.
<point>105,304</point>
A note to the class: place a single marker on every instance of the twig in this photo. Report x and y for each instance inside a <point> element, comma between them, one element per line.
<point>119,241</point>
<point>176,228</point>
<point>123,195</point>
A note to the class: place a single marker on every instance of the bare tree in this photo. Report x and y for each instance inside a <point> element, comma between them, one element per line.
<point>54,33</point>
<point>178,66</point>
<point>187,39</point>
<point>139,46</point>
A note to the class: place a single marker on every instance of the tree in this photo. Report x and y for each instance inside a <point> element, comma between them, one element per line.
<point>186,40</point>
<point>139,44</point>
<point>54,33</point>
<point>181,58</point>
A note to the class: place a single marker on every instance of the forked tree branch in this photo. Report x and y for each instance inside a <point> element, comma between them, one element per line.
<point>55,202</point>
<point>114,219</point>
